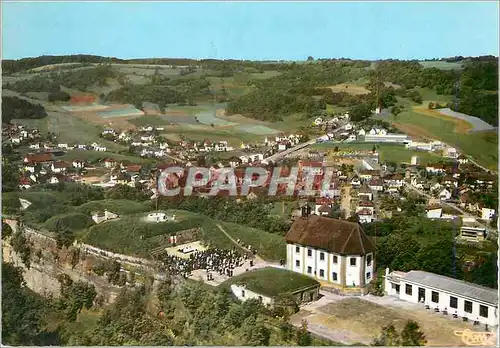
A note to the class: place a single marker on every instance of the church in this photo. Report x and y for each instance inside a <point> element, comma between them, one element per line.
<point>337,253</point>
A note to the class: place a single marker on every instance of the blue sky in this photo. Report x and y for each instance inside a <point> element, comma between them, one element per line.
<point>290,31</point>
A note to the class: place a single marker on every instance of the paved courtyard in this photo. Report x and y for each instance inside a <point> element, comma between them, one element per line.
<point>359,319</point>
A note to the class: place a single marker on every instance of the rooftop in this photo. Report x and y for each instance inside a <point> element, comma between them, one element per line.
<point>338,236</point>
<point>270,281</point>
<point>454,286</point>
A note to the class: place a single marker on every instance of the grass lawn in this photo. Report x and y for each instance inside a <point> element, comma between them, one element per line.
<point>133,236</point>
<point>95,156</point>
<point>117,206</point>
<point>481,146</point>
<point>331,109</point>
<point>431,95</point>
<point>271,281</point>
<point>269,246</point>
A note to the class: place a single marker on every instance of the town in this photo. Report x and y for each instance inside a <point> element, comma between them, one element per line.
<point>249,201</point>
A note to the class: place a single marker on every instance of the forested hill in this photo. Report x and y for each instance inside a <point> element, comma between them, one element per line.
<point>476,85</point>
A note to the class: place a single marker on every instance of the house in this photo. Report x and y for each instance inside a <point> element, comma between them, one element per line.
<point>282,146</point>
<point>436,187</point>
<point>367,175</point>
<point>348,126</point>
<point>471,230</point>
<point>355,182</point>
<point>418,183</point>
<point>362,132</point>
<point>450,152</point>
<point>318,121</point>
<point>487,213</point>
<point>312,168</point>
<point>35,146</point>
<point>62,146</point>
<point>337,252</point>
<point>365,216</point>
<point>24,183</point>
<point>434,211</point>
<point>370,164</point>
<point>102,216</point>
<point>436,292</point>
<point>435,168</point>
<point>395,180</point>
<point>60,166</point>
<point>256,284</point>
<point>450,181</point>
<point>41,158</point>
<point>78,164</point>
<point>376,185</point>
<point>365,193</point>
<point>444,195</point>
<point>109,163</point>
<point>364,205</point>
<point>462,159</point>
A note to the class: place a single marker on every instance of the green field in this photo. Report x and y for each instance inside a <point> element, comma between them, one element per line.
<point>270,281</point>
<point>481,146</point>
<point>387,152</point>
<point>442,65</point>
<point>431,95</point>
<point>69,129</point>
<point>148,120</point>
<point>133,236</point>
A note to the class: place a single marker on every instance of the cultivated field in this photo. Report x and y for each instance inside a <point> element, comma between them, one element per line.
<point>209,118</point>
<point>128,111</point>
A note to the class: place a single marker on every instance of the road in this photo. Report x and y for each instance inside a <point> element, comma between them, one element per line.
<point>280,155</point>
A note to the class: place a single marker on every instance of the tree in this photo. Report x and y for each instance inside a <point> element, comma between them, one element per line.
<point>22,311</point>
<point>310,58</point>
<point>411,335</point>
<point>396,110</point>
<point>388,337</point>
<point>6,230</point>
<point>304,338</point>
<point>431,105</point>
<point>360,112</point>
<point>10,176</point>
<point>22,246</point>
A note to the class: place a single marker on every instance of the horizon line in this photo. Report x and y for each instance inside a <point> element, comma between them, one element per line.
<point>252,60</point>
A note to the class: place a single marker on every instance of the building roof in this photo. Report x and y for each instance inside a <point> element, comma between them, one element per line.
<point>61,164</point>
<point>271,281</point>
<point>338,236</point>
<point>38,158</point>
<point>325,209</point>
<point>454,286</point>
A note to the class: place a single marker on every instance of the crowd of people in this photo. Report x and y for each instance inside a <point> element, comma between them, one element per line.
<point>214,260</point>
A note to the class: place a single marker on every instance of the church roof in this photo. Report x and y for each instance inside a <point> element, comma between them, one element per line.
<point>337,236</point>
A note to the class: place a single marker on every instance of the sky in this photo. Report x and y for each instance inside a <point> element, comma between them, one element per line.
<point>251,30</point>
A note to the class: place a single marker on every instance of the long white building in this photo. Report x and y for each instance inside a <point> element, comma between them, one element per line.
<point>456,297</point>
<point>332,251</point>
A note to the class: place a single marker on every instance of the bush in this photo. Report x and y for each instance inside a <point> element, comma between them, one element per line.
<point>73,221</point>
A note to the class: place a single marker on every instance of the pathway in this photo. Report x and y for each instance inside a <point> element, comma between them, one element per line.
<point>258,258</point>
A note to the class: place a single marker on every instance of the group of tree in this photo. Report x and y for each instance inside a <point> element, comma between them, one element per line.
<point>410,336</point>
<point>475,86</point>
<point>76,79</point>
<point>17,108</point>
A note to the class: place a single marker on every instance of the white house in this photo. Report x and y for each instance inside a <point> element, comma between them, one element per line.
<point>318,121</point>
<point>451,296</point>
<point>348,127</point>
<point>78,164</point>
<point>362,132</point>
<point>434,212</point>
<point>487,213</point>
<point>333,251</point>
<point>282,146</point>
<point>444,195</point>
<point>99,217</point>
